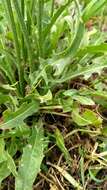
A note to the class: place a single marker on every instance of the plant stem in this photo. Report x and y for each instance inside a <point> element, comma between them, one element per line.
<point>22,40</point>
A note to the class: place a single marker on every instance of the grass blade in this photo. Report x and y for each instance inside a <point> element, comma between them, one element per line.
<point>33,3</point>
<point>13,26</point>
<point>25,32</point>
<point>52,8</point>
<point>22,40</point>
<point>82,171</point>
<point>60,143</point>
<point>39,18</point>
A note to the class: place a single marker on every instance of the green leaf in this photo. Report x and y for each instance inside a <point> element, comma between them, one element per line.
<point>86,70</point>
<point>78,119</point>
<point>60,143</point>
<point>70,92</point>
<point>40,25</point>
<point>15,119</point>
<point>2,151</point>
<point>88,117</point>
<point>104,131</point>
<point>56,32</point>
<point>7,164</point>
<point>55,17</point>
<point>6,99</point>
<point>60,64</point>
<point>92,117</point>
<point>73,93</point>
<point>6,68</point>
<point>66,104</point>
<point>92,49</point>
<point>24,31</point>
<point>46,97</point>
<point>102,94</point>
<point>82,170</point>
<point>92,8</point>
<point>10,14</point>
<point>72,50</point>
<point>31,161</point>
<point>11,164</point>
<point>7,87</point>
<point>84,100</point>
<point>4,171</point>
<point>66,56</point>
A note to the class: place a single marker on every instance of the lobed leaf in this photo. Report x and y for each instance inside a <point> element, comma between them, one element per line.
<point>86,70</point>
